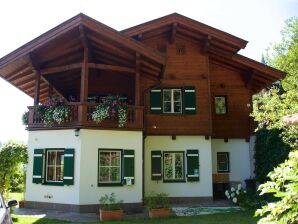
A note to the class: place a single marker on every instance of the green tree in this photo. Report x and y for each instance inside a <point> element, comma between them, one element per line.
<point>281,98</point>
<point>284,185</point>
<point>12,155</point>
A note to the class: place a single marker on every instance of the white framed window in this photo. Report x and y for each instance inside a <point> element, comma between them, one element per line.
<point>223,162</point>
<point>54,165</point>
<point>172,101</point>
<point>109,171</point>
<point>173,166</point>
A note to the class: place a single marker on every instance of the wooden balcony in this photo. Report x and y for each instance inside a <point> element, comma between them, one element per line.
<point>80,117</point>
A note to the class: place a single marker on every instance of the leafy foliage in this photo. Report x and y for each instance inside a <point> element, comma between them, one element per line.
<point>111,107</point>
<point>281,99</point>
<point>157,200</point>
<point>284,185</point>
<point>25,118</point>
<point>12,155</point>
<point>109,202</point>
<point>270,151</point>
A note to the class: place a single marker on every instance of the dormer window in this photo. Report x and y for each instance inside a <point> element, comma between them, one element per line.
<point>172,101</point>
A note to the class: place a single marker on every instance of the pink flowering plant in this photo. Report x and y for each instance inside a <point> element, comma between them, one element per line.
<point>55,111</point>
<point>235,193</point>
<point>111,107</point>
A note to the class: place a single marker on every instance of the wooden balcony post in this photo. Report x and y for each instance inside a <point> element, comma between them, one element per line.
<point>31,115</point>
<point>37,87</point>
<point>137,80</point>
<point>84,87</point>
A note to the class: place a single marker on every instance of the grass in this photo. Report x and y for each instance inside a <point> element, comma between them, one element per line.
<point>34,220</point>
<point>245,217</point>
<point>16,196</point>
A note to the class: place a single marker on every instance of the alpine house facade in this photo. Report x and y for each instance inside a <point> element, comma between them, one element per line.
<point>183,90</point>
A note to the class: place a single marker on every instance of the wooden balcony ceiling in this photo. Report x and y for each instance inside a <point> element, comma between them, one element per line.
<point>221,46</point>
<point>58,56</point>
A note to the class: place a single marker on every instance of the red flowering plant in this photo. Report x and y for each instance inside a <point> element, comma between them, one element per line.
<point>112,107</point>
<point>54,111</point>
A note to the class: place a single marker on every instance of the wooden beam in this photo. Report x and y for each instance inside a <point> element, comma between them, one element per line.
<point>137,80</point>
<point>249,77</point>
<point>112,47</point>
<point>112,68</point>
<point>63,68</point>
<point>84,77</point>
<point>173,33</point>
<point>140,36</point>
<point>206,45</point>
<point>36,71</point>
<point>16,72</point>
<point>149,65</point>
<point>19,75</point>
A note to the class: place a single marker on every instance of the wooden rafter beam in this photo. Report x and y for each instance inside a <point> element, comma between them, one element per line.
<point>173,33</point>
<point>249,78</point>
<point>63,68</point>
<point>112,68</point>
<point>112,47</point>
<point>206,44</point>
<point>34,64</point>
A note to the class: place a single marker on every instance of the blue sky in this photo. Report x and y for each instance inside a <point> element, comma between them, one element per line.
<point>257,21</point>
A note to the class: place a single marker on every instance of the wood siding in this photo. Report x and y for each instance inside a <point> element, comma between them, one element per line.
<point>186,69</point>
<point>194,68</point>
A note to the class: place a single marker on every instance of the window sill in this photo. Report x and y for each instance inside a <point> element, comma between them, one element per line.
<point>174,181</point>
<point>223,172</point>
<point>109,184</point>
<point>54,183</point>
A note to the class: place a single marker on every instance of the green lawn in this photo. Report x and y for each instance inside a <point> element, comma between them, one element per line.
<point>223,218</point>
<point>16,196</point>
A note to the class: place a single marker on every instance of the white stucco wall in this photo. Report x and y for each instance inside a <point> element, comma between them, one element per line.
<point>85,189</point>
<point>92,140</point>
<point>239,157</point>
<point>53,139</point>
<point>202,188</point>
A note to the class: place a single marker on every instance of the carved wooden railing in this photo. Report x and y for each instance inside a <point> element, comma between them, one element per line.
<point>81,116</point>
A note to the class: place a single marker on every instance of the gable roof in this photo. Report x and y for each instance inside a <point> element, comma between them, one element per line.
<point>189,24</point>
<point>74,22</point>
<point>18,67</point>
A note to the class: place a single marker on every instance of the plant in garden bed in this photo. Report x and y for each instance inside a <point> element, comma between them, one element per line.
<point>158,205</point>
<point>111,107</point>
<point>110,208</point>
<point>234,193</point>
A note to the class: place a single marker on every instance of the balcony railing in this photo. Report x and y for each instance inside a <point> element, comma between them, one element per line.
<point>80,117</point>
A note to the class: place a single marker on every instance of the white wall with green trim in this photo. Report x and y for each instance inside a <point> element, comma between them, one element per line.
<point>92,140</point>
<point>85,189</point>
<point>239,157</point>
<point>46,193</point>
<point>201,188</point>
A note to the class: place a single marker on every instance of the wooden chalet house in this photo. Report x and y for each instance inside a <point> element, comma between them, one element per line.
<point>189,96</point>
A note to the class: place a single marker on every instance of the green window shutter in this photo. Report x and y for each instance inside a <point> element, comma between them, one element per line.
<point>189,100</point>
<point>156,165</point>
<point>129,166</point>
<point>38,158</point>
<point>193,173</point>
<point>155,101</point>
<point>68,178</point>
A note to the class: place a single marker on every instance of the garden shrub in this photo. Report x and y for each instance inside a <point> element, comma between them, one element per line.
<point>270,151</point>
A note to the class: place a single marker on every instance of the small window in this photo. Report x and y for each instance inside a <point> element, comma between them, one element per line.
<point>173,165</point>
<point>109,167</point>
<point>54,165</point>
<point>172,101</point>
<point>223,162</point>
<point>220,104</point>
